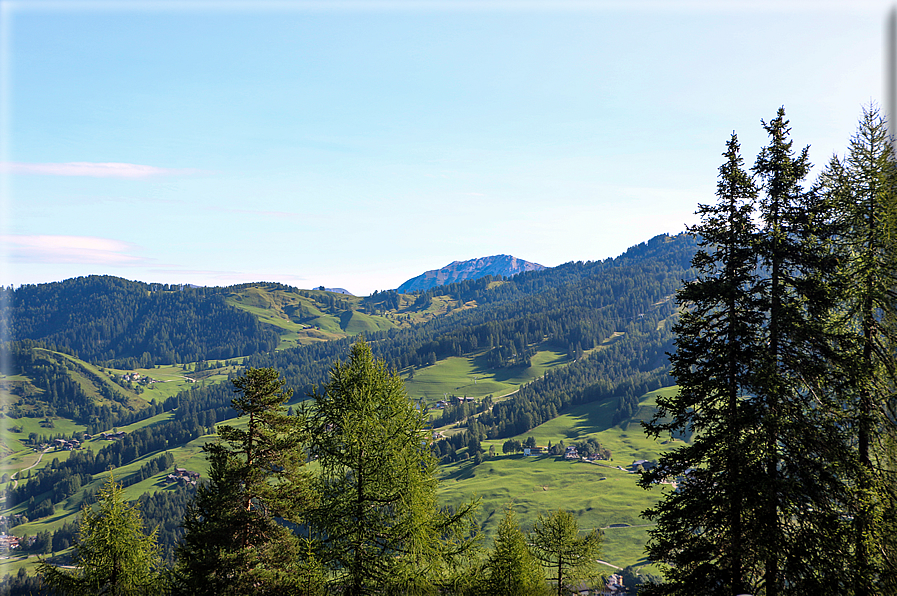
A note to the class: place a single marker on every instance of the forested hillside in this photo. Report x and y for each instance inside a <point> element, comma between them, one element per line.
<point>132,324</point>
<point>576,306</point>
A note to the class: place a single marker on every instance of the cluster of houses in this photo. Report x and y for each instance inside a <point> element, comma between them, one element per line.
<point>113,436</point>
<point>137,378</point>
<point>569,453</point>
<point>183,476</point>
<point>67,445</point>
<point>453,401</point>
<point>8,542</point>
<point>614,586</point>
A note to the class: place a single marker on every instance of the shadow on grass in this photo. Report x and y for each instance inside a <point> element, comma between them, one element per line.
<point>592,418</point>
<point>463,472</point>
<point>514,374</point>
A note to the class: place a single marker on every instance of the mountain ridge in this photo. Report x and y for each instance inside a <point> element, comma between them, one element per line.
<point>495,265</point>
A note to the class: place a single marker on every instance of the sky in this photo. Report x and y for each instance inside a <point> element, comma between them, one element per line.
<point>358,144</point>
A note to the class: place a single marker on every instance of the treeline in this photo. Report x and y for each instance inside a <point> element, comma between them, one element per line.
<point>164,511</point>
<point>127,324</point>
<point>194,412</point>
<point>622,372</point>
<point>576,306</point>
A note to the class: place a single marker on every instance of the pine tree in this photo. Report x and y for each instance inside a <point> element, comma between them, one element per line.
<point>378,520</point>
<point>705,530</point>
<point>511,569</point>
<point>558,545</point>
<point>113,555</point>
<point>233,543</point>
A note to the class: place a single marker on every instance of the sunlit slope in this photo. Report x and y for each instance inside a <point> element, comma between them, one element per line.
<point>469,376</point>
<point>305,316</point>
<point>599,494</point>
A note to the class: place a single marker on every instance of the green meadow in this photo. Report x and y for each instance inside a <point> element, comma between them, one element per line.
<point>301,319</point>
<point>467,376</point>
<point>600,494</point>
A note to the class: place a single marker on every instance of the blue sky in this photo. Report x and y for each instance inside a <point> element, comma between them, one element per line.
<point>358,144</point>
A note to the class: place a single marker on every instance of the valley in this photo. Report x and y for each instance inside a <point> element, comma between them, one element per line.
<point>565,354</point>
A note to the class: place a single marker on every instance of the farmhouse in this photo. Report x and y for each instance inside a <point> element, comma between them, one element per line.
<point>67,445</point>
<point>183,476</point>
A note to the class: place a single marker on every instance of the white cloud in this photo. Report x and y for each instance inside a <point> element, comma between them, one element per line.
<point>69,249</point>
<point>95,170</point>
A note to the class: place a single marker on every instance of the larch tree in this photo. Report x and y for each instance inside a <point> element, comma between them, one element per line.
<point>510,568</point>
<point>377,520</point>
<point>567,555</point>
<point>113,554</point>
<point>236,541</point>
<point>863,191</point>
<point>706,531</point>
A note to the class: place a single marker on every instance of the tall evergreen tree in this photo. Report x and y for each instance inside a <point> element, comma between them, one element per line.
<point>113,555</point>
<point>511,569</point>
<point>761,503</point>
<point>377,519</point>
<point>234,543</point>
<point>802,507</point>
<point>706,531</point>
<point>863,192</point>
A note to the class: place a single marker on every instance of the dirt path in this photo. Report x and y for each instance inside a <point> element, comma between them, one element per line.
<point>609,564</point>
<point>15,482</point>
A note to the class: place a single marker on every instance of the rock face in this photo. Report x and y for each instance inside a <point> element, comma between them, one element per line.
<point>473,269</point>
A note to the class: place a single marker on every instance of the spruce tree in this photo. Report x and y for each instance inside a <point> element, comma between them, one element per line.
<point>802,504</point>
<point>234,542</point>
<point>706,530</point>
<point>760,502</point>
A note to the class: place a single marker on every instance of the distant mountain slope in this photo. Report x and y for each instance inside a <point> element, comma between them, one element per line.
<point>109,319</point>
<point>575,307</point>
<point>505,265</point>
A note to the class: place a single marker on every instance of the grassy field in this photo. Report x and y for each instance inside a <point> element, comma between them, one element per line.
<point>303,318</point>
<point>599,494</point>
<point>467,376</point>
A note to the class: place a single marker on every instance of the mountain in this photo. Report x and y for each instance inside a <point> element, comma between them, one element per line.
<point>504,265</point>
